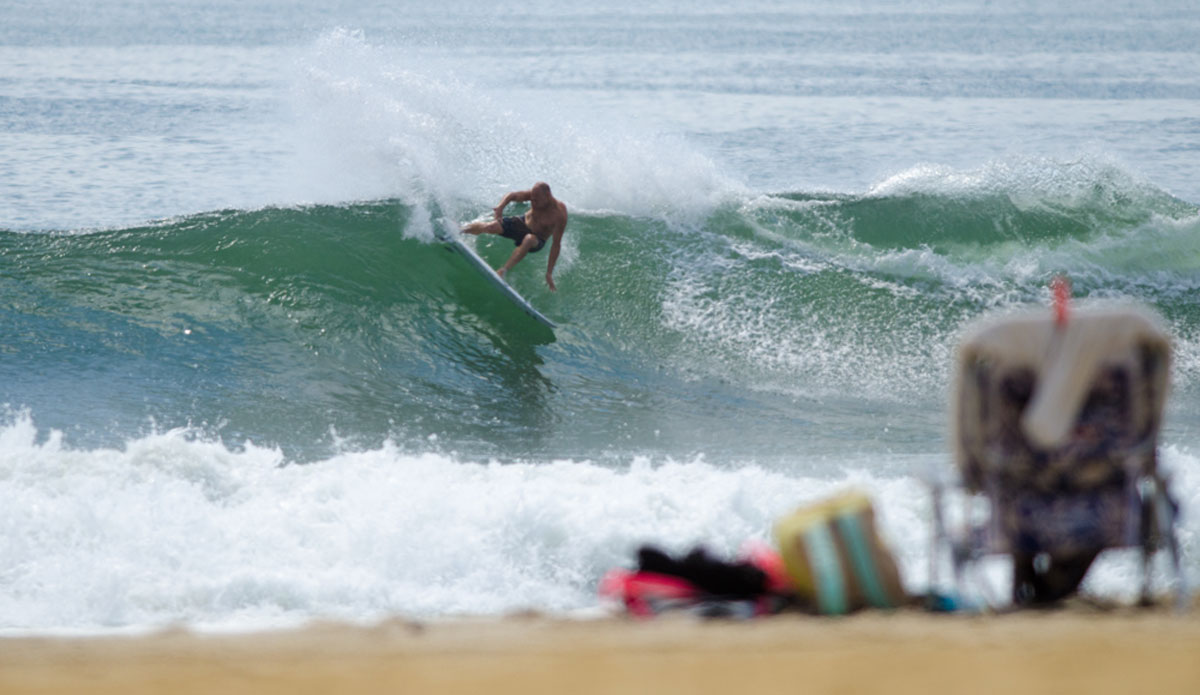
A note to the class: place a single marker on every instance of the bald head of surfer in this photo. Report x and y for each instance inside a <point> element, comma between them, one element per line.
<point>546,220</point>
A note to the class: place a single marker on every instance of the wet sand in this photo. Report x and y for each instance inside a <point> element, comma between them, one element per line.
<point>1077,650</point>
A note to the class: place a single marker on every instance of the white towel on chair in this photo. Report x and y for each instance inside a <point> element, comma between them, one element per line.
<point>1065,358</point>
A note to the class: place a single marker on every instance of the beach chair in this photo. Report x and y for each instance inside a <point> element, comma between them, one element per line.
<point>1055,426</point>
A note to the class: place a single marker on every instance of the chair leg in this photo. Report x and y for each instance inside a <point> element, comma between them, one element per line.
<point>1024,581</point>
<point>1148,535</point>
<point>1166,514</point>
<point>1145,599</point>
<point>1040,586</point>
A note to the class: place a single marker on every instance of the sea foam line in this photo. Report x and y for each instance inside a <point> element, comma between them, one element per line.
<point>174,528</point>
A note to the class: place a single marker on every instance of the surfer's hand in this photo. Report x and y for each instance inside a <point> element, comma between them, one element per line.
<point>498,212</point>
<point>550,281</point>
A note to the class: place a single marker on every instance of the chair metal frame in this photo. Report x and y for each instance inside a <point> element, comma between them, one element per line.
<point>1153,525</point>
<point>1150,516</point>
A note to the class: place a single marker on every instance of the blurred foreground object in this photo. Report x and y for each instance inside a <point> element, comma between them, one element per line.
<point>1054,421</point>
<point>835,559</point>
<point>830,561</point>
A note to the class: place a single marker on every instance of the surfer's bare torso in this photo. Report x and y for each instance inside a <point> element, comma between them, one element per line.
<point>545,220</point>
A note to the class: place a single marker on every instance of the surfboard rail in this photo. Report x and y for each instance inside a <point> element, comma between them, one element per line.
<point>449,235</point>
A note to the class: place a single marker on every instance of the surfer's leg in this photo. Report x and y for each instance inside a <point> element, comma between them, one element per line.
<point>523,248</point>
<point>477,228</point>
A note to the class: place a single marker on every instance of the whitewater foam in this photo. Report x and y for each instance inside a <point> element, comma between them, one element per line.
<point>1036,181</point>
<point>176,528</point>
<point>374,123</point>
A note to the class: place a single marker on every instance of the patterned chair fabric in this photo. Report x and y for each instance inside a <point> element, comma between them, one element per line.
<point>1056,425</point>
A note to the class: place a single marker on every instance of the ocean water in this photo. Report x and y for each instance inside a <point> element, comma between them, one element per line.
<point>241,388</point>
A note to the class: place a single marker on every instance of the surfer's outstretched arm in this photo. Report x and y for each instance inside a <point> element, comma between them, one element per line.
<point>512,197</point>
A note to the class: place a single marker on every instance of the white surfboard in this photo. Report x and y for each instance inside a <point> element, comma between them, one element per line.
<point>448,235</point>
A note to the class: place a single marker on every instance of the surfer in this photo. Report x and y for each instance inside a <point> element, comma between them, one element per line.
<point>545,220</point>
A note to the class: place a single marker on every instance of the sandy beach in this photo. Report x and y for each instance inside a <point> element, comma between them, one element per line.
<point>1077,650</point>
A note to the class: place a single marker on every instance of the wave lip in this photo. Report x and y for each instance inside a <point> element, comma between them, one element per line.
<point>1026,202</point>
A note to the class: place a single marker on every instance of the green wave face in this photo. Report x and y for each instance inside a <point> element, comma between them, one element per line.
<point>773,324</point>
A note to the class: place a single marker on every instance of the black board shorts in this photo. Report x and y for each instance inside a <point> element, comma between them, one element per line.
<point>515,228</point>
